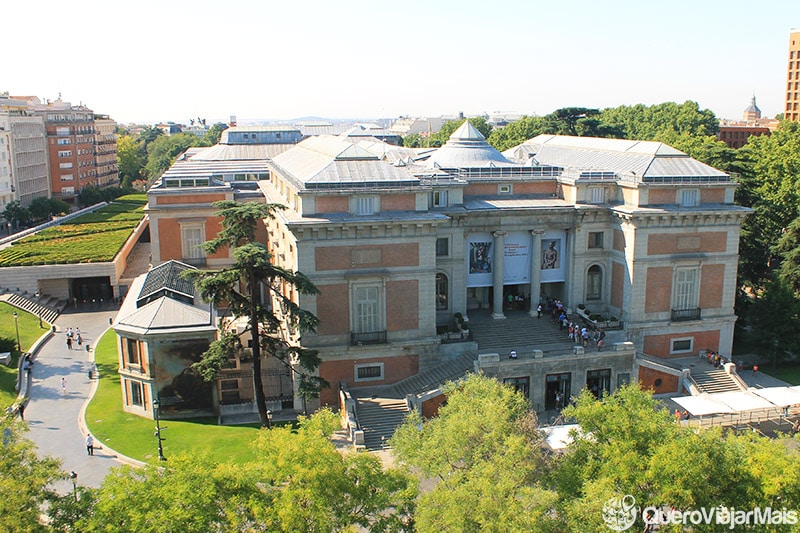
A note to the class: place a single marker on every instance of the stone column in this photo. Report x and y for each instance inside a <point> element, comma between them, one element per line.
<point>536,269</point>
<point>497,274</point>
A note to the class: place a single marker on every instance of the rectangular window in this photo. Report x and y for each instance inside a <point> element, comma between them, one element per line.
<point>191,240</point>
<point>65,153</point>
<point>229,390</point>
<point>367,309</point>
<point>689,197</point>
<point>61,130</point>
<point>65,165</point>
<point>685,288</point>
<point>439,199</point>
<point>136,394</point>
<point>597,195</point>
<point>442,247</point>
<point>134,358</point>
<point>595,239</point>
<point>522,385</point>
<point>365,205</point>
<point>370,372</point>
<point>504,189</point>
<point>681,345</point>
<point>67,177</point>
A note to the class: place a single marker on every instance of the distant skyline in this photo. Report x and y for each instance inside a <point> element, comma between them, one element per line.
<point>154,61</point>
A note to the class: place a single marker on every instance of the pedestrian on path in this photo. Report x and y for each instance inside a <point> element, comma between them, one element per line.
<point>755,370</point>
<point>69,343</point>
<point>64,385</point>
<point>89,444</point>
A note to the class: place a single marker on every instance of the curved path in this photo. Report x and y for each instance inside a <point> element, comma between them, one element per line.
<point>54,417</point>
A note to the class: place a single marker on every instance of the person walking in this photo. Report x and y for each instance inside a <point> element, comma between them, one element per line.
<point>89,444</point>
<point>69,343</point>
<point>755,370</point>
<point>22,411</point>
<point>539,311</point>
<point>64,385</point>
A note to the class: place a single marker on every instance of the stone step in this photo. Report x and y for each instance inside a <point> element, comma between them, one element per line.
<point>378,418</point>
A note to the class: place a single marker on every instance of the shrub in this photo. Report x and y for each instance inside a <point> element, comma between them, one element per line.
<point>581,306</point>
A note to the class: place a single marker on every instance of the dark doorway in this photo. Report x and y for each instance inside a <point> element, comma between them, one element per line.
<point>557,390</point>
<point>599,382</point>
<point>522,385</point>
<point>92,292</point>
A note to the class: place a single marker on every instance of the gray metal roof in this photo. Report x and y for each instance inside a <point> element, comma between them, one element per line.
<point>166,279</point>
<point>241,152</point>
<point>467,148</point>
<point>640,160</point>
<point>328,162</point>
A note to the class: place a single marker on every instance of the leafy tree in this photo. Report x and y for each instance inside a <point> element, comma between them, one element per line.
<point>24,479</point>
<point>165,149</point>
<point>43,208</point>
<point>484,452</point>
<point>300,482</point>
<point>517,132</point>
<point>131,159</point>
<point>214,133</point>
<point>316,488</point>
<point>16,214</point>
<point>628,444</point>
<point>413,140</point>
<point>148,135</point>
<point>775,319</point>
<point>240,285</point>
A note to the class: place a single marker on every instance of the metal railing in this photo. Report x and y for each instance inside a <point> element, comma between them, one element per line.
<point>369,337</point>
<point>682,315</point>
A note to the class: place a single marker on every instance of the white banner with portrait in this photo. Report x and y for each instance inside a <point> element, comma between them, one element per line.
<point>516,259</point>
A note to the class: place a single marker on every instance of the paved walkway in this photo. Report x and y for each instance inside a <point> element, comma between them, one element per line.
<point>55,417</point>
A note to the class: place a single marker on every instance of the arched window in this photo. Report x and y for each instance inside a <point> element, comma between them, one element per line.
<point>594,283</point>
<point>441,292</point>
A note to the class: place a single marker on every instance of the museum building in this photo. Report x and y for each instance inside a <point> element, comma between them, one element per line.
<point>400,241</point>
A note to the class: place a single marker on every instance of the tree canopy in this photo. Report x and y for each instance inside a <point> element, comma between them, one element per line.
<point>240,287</point>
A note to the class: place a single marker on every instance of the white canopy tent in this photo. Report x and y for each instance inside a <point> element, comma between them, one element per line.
<point>782,396</point>
<point>702,405</point>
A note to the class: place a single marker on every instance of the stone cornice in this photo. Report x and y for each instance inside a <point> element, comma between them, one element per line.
<point>670,219</point>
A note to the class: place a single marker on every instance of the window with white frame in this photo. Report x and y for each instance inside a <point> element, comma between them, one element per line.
<point>681,345</point>
<point>368,308</point>
<point>369,372</point>
<point>686,282</point>
<point>689,197</point>
<point>137,398</point>
<point>597,195</point>
<point>65,165</point>
<point>439,198</point>
<point>594,283</point>
<point>504,189</point>
<point>365,205</point>
<point>192,237</point>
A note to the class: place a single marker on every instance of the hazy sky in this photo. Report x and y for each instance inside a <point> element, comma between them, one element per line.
<point>148,61</point>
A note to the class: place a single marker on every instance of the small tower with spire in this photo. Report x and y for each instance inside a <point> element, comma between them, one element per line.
<point>752,113</point>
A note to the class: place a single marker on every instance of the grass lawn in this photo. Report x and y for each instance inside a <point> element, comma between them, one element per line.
<point>90,238</point>
<point>28,333</point>
<point>132,435</point>
<point>788,372</point>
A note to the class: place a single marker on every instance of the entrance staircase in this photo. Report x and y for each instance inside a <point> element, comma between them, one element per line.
<point>378,418</point>
<point>381,409</point>
<point>519,332</point>
<point>47,308</point>
<point>714,380</point>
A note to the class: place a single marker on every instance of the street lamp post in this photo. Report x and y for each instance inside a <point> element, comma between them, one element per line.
<point>156,405</point>
<point>269,419</point>
<point>16,326</point>
<point>74,477</point>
